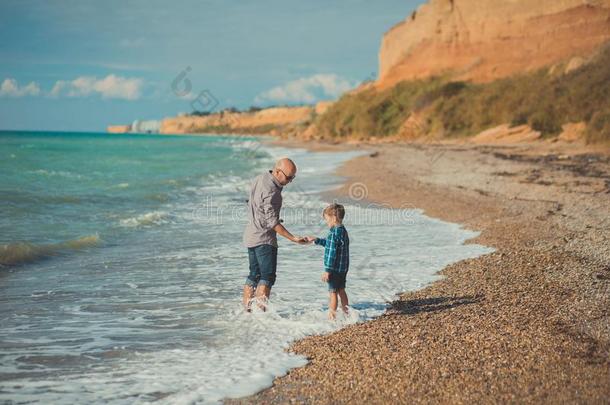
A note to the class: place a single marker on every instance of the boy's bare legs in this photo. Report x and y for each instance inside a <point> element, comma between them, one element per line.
<point>247,296</point>
<point>332,305</point>
<point>262,296</point>
<point>344,301</point>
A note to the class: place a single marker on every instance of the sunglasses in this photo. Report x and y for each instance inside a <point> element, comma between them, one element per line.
<point>289,178</point>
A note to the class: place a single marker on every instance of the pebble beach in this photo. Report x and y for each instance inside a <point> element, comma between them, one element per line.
<point>527,323</point>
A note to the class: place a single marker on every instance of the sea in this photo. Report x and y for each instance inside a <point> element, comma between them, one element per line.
<point>122,265</point>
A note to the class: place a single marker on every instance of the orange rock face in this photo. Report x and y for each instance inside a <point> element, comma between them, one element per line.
<point>505,134</point>
<point>236,121</point>
<point>482,40</point>
<point>118,129</point>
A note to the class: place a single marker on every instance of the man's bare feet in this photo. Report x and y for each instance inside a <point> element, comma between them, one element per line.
<point>262,296</point>
<point>248,294</point>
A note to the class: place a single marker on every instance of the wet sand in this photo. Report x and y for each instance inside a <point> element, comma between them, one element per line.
<point>527,323</point>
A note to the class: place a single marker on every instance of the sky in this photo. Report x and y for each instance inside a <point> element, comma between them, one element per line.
<point>81,65</point>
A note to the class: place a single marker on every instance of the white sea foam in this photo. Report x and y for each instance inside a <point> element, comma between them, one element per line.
<point>147,219</point>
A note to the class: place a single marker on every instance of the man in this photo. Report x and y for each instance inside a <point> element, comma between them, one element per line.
<point>260,235</point>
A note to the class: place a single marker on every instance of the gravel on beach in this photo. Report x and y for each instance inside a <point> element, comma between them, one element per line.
<point>529,322</point>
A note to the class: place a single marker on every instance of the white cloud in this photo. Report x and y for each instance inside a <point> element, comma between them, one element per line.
<point>110,86</point>
<point>10,88</point>
<point>307,89</point>
<point>57,88</point>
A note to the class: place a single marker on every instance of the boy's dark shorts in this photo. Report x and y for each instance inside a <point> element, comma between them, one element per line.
<point>263,264</point>
<point>336,281</point>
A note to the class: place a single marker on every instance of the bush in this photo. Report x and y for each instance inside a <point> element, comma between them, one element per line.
<point>546,121</point>
<point>374,113</point>
<point>599,127</point>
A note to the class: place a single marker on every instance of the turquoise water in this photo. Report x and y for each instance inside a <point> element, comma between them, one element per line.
<point>121,266</point>
<point>89,181</point>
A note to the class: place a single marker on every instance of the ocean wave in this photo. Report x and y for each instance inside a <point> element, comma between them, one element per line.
<point>246,144</point>
<point>60,173</point>
<point>249,149</point>
<point>24,252</point>
<point>150,218</point>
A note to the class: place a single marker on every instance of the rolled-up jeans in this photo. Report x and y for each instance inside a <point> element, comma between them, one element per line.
<point>263,265</point>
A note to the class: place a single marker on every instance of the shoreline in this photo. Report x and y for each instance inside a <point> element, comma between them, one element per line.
<point>528,322</point>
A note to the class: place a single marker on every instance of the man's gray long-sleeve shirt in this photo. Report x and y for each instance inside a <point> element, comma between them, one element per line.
<point>263,211</point>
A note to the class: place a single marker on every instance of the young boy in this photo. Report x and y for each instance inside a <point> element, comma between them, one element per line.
<point>336,257</point>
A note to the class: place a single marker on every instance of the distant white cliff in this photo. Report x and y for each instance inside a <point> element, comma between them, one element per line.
<point>145,127</point>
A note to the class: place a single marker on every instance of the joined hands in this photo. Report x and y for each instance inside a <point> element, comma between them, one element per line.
<point>304,240</point>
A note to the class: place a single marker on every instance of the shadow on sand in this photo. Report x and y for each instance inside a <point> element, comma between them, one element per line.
<point>412,307</point>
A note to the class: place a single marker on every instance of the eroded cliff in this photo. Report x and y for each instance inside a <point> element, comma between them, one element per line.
<point>482,40</point>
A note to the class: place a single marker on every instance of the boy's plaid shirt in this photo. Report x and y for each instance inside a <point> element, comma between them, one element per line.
<point>336,250</point>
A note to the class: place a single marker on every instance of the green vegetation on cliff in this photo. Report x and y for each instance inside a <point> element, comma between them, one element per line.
<point>543,100</point>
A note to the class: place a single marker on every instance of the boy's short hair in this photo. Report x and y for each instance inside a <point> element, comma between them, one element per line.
<point>335,210</point>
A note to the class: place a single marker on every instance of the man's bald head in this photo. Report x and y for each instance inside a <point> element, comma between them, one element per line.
<point>285,170</point>
<point>286,164</point>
